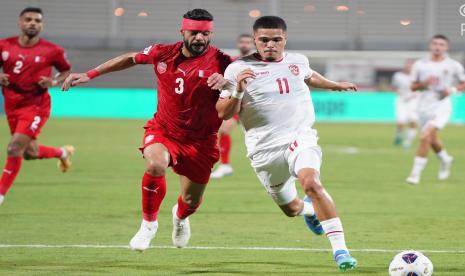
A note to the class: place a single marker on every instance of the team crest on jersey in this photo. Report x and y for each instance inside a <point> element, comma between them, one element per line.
<point>161,67</point>
<point>148,139</point>
<point>294,69</point>
<point>5,55</point>
<point>39,59</point>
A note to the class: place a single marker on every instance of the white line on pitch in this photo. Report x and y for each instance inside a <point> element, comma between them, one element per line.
<point>97,246</point>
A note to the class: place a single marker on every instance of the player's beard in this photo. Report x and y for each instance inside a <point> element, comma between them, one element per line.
<point>196,49</point>
<point>31,33</point>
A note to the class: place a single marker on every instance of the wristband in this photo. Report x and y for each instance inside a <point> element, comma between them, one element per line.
<point>453,90</point>
<point>93,73</point>
<point>238,95</point>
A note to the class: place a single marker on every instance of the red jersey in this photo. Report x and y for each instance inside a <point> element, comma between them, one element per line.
<point>186,105</point>
<point>26,65</point>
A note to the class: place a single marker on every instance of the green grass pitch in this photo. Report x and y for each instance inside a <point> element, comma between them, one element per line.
<point>98,203</point>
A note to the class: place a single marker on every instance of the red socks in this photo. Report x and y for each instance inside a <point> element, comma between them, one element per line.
<point>49,152</point>
<point>12,167</point>
<point>185,210</point>
<point>225,148</point>
<point>153,192</point>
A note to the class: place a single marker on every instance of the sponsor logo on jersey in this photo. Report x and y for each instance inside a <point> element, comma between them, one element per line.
<point>149,139</point>
<point>161,67</point>
<point>5,55</point>
<point>294,69</point>
<point>205,73</point>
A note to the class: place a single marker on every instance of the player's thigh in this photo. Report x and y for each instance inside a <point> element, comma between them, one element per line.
<point>309,157</point>
<point>277,181</point>
<point>228,126</point>
<point>156,156</point>
<point>30,123</point>
<point>191,192</point>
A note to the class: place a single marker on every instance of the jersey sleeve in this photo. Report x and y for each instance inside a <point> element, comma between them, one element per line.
<point>148,55</point>
<point>60,62</point>
<point>308,71</point>
<point>1,53</point>
<point>230,74</point>
<point>395,81</point>
<point>415,72</point>
<point>460,72</point>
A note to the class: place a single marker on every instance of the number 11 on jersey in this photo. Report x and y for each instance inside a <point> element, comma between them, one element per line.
<point>280,84</point>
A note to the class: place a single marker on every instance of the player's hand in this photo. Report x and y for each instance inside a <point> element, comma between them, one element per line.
<point>345,86</point>
<point>74,79</point>
<point>46,82</point>
<point>4,79</point>
<point>216,81</point>
<point>243,78</point>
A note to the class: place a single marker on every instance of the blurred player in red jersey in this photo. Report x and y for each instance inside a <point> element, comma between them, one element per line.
<point>27,62</point>
<point>246,46</point>
<point>183,132</point>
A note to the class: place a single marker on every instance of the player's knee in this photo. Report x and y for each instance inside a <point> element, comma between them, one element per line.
<point>291,211</point>
<point>156,167</point>
<point>14,149</point>
<point>425,137</point>
<point>312,186</point>
<point>192,200</point>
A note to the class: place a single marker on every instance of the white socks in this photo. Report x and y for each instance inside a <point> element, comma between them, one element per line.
<point>443,156</point>
<point>419,164</point>
<point>307,210</point>
<point>335,234</point>
<point>409,136</point>
<point>150,224</point>
<point>64,153</point>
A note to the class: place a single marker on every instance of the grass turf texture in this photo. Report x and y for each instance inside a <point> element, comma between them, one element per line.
<point>98,202</point>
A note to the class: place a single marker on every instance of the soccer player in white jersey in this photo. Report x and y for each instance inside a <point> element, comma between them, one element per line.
<point>406,106</point>
<point>436,77</point>
<point>269,90</point>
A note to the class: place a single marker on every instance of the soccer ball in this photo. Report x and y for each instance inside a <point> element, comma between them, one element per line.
<point>410,263</point>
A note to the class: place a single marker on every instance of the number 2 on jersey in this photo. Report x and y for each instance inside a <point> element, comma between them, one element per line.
<point>280,84</point>
<point>18,66</point>
<point>180,88</point>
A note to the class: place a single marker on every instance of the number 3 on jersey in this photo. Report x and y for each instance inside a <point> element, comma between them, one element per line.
<point>180,86</point>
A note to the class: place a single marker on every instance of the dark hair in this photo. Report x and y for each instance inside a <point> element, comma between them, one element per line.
<point>244,36</point>
<point>440,36</point>
<point>31,9</point>
<point>270,22</point>
<point>198,14</point>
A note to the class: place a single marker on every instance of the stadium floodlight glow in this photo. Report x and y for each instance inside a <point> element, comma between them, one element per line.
<point>342,8</point>
<point>361,12</point>
<point>142,14</point>
<point>119,11</point>
<point>255,13</point>
<point>309,8</point>
<point>405,22</point>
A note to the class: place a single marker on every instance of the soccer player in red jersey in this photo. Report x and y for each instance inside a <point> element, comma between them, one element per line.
<point>27,62</point>
<point>183,132</point>
<point>246,46</point>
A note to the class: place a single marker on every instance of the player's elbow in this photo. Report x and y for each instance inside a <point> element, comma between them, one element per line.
<point>223,115</point>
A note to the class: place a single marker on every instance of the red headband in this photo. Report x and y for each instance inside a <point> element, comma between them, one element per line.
<point>196,25</point>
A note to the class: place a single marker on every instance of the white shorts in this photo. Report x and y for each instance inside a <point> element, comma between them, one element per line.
<point>279,173</point>
<point>437,116</point>
<point>406,110</point>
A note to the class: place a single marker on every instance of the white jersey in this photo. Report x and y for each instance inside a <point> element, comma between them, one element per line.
<point>445,73</point>
<point>277,106</point>
<point>401,82</point>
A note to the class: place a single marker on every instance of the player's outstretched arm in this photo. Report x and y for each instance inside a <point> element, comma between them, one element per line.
<point>118,63</point>
<point>228,106</point>
<point>318,81</point>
